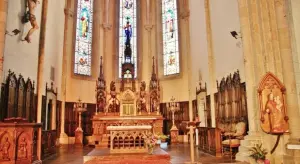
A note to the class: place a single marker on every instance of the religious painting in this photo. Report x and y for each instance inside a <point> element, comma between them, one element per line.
<point>128,35</point>
<point>170,37</point>
<point>83,44</point>
<point>273,114</point>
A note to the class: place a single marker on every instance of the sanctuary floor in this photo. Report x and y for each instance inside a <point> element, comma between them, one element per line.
<point>180,153</point>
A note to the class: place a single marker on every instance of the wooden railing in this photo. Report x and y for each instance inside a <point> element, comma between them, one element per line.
<point>48,143</point>
<point>210,140</point>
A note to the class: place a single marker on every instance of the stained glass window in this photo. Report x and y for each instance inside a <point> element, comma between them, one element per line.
<point>83,45</point>
<point>127,26</point>
<point>170,37</point>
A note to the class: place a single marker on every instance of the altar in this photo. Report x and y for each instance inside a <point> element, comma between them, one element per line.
<point>103,124</point>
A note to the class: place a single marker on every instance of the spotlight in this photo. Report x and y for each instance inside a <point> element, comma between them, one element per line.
<point>235,34</point>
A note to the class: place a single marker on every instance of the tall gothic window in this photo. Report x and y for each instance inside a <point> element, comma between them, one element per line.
<point>83,45</point>
<point>127,30</point>
<point>170,37</point>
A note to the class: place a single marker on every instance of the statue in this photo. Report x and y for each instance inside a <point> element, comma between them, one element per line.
<point>22,150</point>
<point>31,17</point>
<point>142,99</point>
<point>274,110</point>
<point>5,149</point>
<point>112,86</point>
<point>113,103</point>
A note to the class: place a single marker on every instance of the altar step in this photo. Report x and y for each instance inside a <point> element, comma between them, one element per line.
<point>105,143</point>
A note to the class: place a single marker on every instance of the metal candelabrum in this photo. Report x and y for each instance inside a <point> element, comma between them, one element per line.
<point>173,107</point>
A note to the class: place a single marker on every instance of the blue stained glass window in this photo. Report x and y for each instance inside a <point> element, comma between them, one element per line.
<point>83,45</point>
<point>127,19</point>
<point>170,37</point>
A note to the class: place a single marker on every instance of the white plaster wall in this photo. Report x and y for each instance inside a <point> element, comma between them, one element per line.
<point>22,57</point>
<point>228,56</point>
<point>19,56</point>
<point>198,44</point>
<point>54,42</point>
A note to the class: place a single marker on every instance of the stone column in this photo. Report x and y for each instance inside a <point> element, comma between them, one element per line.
<point>289,72</point>
<point>106,42</point>
<point>211,62</point>
<point>68,17</point>
<point>148,56</point>
<point>3,14</point>
<point>40,74</point>
<point>267,47</point>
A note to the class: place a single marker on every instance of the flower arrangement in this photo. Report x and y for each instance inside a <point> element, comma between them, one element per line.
<point>258,153</point>
<point>150,141</point>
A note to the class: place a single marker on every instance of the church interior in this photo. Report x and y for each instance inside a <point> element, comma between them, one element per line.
<point>150,81</point>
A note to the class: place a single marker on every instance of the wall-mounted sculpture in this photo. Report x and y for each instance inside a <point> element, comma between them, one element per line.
<point>30,17</point>
<point>273,115</point>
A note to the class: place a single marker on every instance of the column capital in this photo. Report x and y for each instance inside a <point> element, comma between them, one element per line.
<point>69,12</point>
<point>148,27</point>
<point>106,26</point>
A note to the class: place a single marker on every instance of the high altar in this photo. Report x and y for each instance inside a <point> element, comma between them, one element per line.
<point>125,116</point>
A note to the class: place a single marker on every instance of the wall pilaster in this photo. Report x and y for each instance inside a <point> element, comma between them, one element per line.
<point>3,14</point>
<point>40,74</point>
<point>67,33</point>
<point>211,62</point>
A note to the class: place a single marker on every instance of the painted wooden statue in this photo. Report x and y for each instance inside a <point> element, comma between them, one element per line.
<point>273,115</point>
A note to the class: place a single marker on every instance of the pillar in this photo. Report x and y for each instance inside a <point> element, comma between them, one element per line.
<point>109,58</point>
<point>67,32</point>
<point>211,62</point>
<point>267,47</point>
<point>3,14</point>
<point>147,55</point>
<point>40,74</point>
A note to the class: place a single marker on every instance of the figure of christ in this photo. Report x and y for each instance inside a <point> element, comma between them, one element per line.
<point>128,33</point>
<point>34,26</point>
<point>273,109</point>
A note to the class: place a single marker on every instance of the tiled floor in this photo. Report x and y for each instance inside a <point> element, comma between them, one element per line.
<point>179,154</point>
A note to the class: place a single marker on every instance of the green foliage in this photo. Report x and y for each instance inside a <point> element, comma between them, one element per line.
<point>162,136</point>
<point>257,152</point>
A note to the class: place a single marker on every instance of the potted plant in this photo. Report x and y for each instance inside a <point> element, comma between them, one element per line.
<point>259,154</point>
<point>163,137</point>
